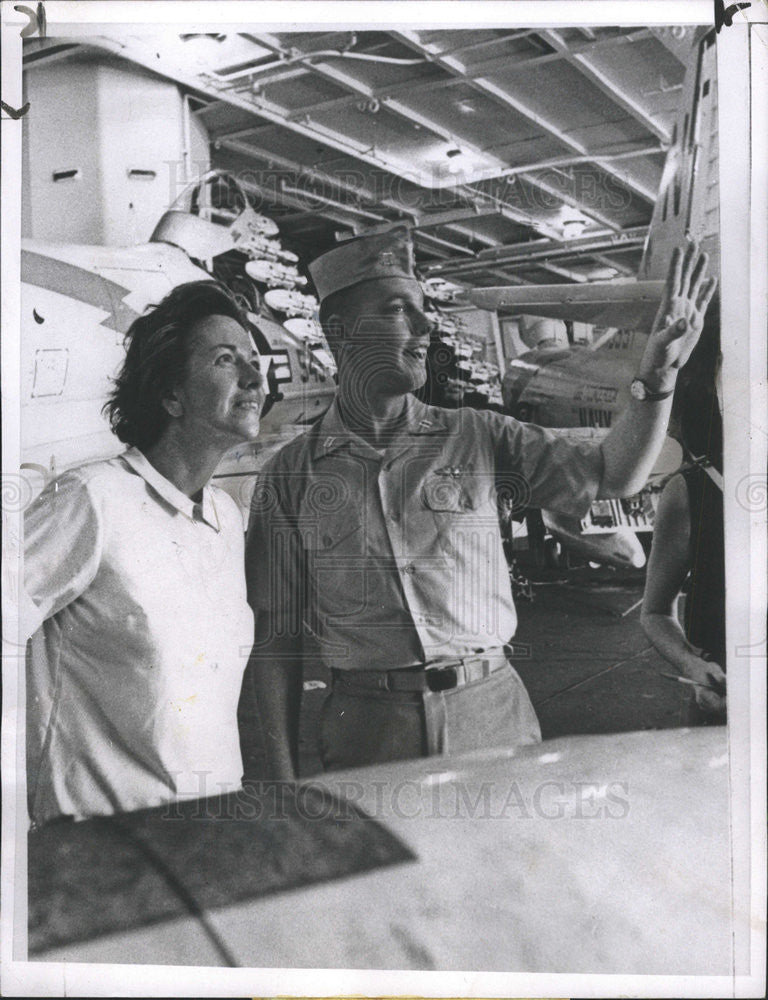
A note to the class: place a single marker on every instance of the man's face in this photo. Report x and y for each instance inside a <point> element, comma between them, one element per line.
<point>222,392</point>
<point>386,333</point>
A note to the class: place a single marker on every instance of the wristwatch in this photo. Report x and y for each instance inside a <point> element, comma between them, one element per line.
<point>639,390</point>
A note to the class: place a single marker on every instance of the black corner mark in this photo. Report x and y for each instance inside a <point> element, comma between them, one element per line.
<point>724,15</point>
<point>15,113</point>
<point>36,20</point>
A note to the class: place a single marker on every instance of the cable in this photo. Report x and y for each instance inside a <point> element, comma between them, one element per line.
<point>586,680</point>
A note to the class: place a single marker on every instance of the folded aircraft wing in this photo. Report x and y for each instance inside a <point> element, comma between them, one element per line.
<point>631,305</point>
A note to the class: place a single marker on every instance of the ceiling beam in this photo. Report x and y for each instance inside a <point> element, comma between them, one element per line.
<point>568,199</point>
<point>421,237</point>
<point>423,85</point>
<point>510,212</point>
<point>481,203</point>
<point>562,272</point>
<point>542,251</point>
<point>282,198</point>
<point>408,113</point>
<point>503,97</point>
<point>676,39</point>
<point>363,91</point>
<point>513,62</point>
<point>418,85</point>
<point>135,50</point>
<point>508,279</point>
<point>610,87</point>
<point>475,237</point>
<point>610,242</point>
<point>622,268</point>
<point>431,220</point>
<point>138,51</point>
<point>304,170</point>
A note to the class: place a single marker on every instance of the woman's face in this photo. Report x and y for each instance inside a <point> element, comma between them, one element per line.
<point>221,395</point>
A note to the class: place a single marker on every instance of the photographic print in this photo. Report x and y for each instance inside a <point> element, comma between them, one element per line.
<point>383,499</point>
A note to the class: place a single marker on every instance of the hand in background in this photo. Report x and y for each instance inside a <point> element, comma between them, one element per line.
<point>711,675</point>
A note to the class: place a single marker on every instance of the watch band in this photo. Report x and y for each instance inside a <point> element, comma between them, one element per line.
<point>640,390</point>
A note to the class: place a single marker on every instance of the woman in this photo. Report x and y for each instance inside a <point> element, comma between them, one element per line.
<point>133,566</point>
<point>688,543</point>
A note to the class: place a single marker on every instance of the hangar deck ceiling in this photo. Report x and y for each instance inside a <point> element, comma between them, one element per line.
<point>516,155</point>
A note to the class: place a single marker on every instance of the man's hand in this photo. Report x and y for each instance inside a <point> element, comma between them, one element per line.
<point>679,319</point>
<point>710,678</point>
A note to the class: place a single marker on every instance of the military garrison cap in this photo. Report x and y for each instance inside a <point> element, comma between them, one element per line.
<point>382,255</point>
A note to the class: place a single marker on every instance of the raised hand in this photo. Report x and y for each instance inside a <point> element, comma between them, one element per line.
<point>680,316</point>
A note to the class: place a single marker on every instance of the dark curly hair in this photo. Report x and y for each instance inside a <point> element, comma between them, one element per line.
<point>157,351</point>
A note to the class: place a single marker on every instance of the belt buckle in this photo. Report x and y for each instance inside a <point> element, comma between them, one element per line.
<point>444,679</point>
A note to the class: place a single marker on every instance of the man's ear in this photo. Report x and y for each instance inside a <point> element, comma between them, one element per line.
<point>172,404</point>
<point>334,329</point>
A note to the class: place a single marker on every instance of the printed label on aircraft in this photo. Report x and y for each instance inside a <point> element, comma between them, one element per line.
<point>605,394</point>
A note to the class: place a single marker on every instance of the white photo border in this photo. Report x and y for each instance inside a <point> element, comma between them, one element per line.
<point>743,69</point>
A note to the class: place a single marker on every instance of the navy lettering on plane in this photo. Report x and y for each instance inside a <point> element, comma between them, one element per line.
<point>596,394</point>
<point>590,417</point>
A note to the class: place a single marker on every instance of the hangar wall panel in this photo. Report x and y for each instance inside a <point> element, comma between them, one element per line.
<point>106,152</point>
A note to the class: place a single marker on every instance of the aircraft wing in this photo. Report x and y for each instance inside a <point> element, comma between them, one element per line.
<point>631,305</point>
<point>241,879</point>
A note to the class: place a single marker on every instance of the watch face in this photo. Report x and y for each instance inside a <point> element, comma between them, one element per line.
<point>637,389</point>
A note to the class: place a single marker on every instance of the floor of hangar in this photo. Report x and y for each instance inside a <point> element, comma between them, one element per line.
<point>581,653</point>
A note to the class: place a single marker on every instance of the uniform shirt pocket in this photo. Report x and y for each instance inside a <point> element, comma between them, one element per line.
<point>463,515</point>
<point>451,492</point>
<point>328,533</point>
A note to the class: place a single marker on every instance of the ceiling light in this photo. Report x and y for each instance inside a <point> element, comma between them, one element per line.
<point>573,229</point>
<point>456,161</point>
<point>571,222</point>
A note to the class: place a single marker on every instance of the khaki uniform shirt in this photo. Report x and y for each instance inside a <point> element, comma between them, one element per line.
<point>136,598</point>
<point>394,558</point>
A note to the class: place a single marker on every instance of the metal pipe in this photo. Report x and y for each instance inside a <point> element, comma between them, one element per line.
<point>511,257</point>
<point>304,57</point>
<point>324,200</point>
<point>569,161</point>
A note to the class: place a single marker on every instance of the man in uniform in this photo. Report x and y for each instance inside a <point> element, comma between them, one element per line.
<point>377,531</point>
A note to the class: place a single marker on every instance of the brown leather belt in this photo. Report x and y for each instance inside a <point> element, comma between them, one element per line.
<point>440,676</point>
